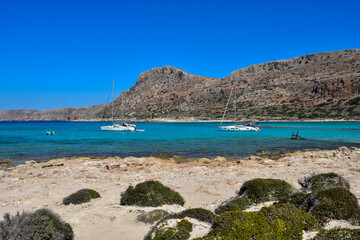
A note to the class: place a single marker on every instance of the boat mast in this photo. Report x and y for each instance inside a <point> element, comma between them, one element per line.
<point>112,104</point>
<point>235,102</point>
<point>122,107</point>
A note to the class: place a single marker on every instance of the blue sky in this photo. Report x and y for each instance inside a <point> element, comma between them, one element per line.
<point>65,53</point>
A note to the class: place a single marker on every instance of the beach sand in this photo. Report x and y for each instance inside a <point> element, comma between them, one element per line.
<point>202,183</point>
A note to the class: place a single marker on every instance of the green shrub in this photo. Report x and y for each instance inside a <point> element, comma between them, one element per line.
<point>196,213</point>
<point>153,216</point>
<point>296,218</point>
<point>15,227</point>
<point>164,232</point>
<point>94,194</point>
<point>42,224</point>
<point>329,204</point>
<point>282,221</point>
<point>200,214</point>
<point>354,101</point>
<point>150,194</point>
<point>338,234</point>
<point>237,204</point>
<point>257,191</point>
<point>81,196</point>
<point>335,203</point>
<point>323,181</point>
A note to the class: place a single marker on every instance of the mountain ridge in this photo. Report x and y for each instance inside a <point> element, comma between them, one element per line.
<point>315,86</point>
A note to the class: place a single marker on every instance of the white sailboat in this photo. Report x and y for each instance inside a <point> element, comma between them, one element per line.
<point>245,126</point>
<point>120,127</point>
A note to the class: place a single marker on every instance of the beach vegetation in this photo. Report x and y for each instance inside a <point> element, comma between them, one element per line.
<point>153,216</point>
<point>150,194</point>
<point>323,181</point>
<point>354,101</point>
<point>200,214</point>
<point>81,196</point>
<point>257,191</point>
<point>335,204</point>
<point>281,221</point>
<point>338,234</point>
<point>41,224</point>
<point>163,232</point>
<point>329,204</point>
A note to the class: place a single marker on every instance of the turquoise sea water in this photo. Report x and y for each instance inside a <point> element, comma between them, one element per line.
<point>27,140</point>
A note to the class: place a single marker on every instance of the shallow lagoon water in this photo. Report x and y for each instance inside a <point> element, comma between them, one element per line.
<point>27,140</point>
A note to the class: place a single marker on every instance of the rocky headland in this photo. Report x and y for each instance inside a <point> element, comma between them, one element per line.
<point>316,86</point>
<point>203,183</point>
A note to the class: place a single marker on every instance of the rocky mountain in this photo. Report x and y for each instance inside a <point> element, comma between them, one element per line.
<point>62,114</point>
<point>317,86</point>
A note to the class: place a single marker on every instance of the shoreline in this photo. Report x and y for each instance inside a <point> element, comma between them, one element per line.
<point>178,158</point>
<point>203,183</point>
<point>190,120</point>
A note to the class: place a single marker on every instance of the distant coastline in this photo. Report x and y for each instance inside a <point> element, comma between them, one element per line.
<point>188,120</point>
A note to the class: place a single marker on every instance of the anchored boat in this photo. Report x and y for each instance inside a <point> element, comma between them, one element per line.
<point>244,126</point>
<point>122,126</point>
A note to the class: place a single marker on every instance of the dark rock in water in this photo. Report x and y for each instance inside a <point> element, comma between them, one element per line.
<point>150,194</point>
<point>323,181</point>
<point>5,161</point>
<point>42,161</point>
<point>42,224</point>
<point>164,155</point>
<point>282,221</point>
<point>257,191</point>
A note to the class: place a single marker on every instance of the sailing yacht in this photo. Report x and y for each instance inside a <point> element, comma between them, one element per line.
<point>245,126</point>
<point>123,126</point>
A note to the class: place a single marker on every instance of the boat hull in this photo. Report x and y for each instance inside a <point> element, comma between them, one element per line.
<point>118,128</point>
<point>239,128</point>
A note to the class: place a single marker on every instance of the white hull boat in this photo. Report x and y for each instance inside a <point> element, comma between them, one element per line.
<point>240,128</point>
<point>245,126</point>
<point>118,127</point>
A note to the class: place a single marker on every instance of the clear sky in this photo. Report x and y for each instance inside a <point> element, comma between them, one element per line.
<point>65,53</point>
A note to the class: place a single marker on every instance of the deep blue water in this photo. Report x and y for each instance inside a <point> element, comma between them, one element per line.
<point>27,140</point>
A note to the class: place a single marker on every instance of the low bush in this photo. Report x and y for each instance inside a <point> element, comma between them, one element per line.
<point>257,191</point>
<point>153,216</point>
<point>236,204</point>
<point>200,214</point>
<point>42,224</point>
<point>150,194</point>
<point>196,213</point>
<point>338,234</point>
<point>164,232</point>
<point>81,196</point>
<point>323,181</point>
<point>329,204</point>
<point>282,221</point>
<point>334,204</point>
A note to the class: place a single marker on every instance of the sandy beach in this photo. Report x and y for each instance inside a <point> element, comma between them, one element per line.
<point>202,183</point>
